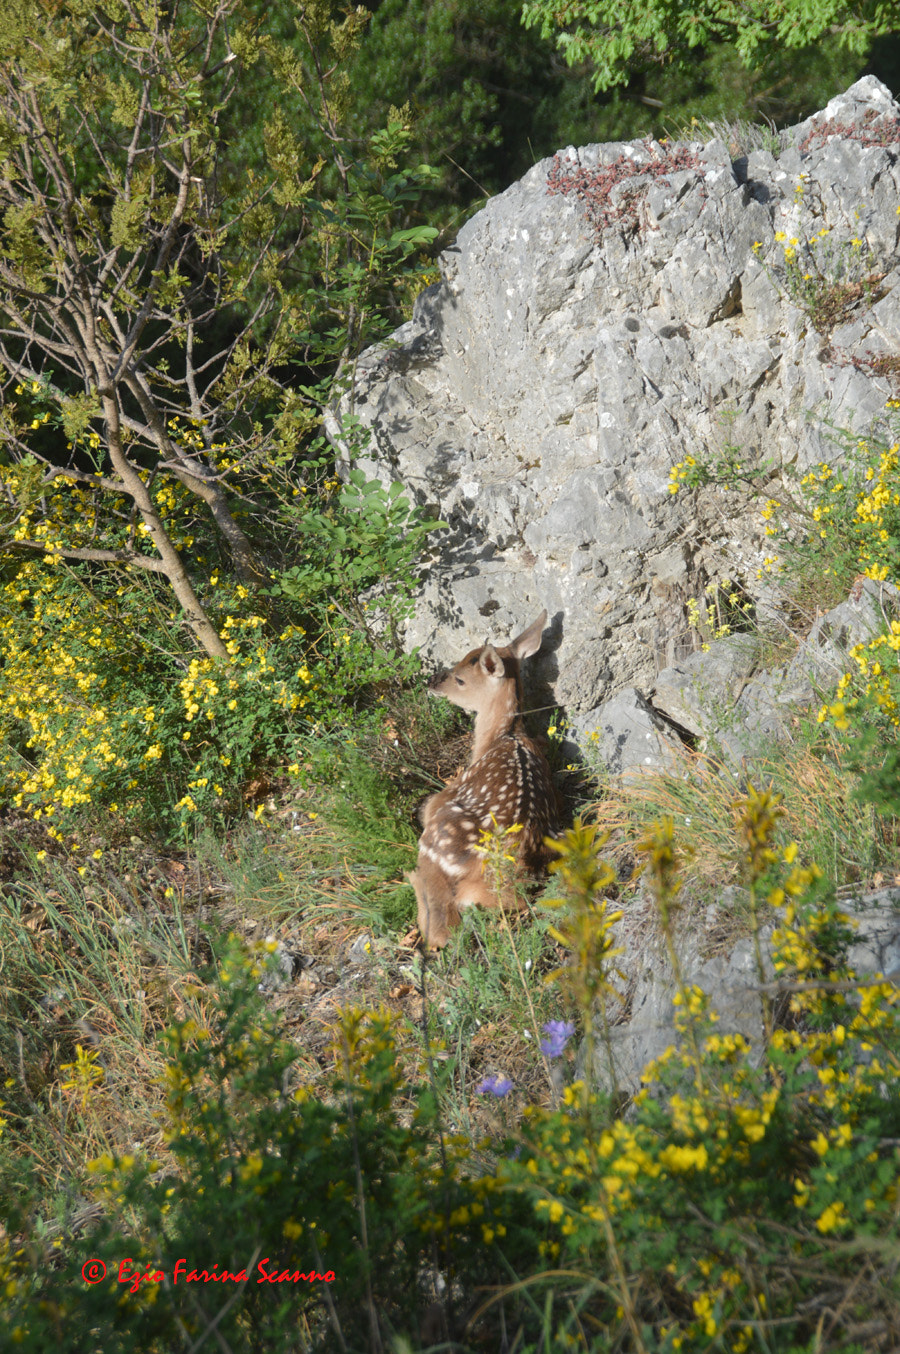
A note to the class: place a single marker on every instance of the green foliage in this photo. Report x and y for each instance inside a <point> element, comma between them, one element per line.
<point>365,538</point>
<point>613,37</point>
<point>878,767</point>
<point>485,97</point>
<point>729,468</point>
<point>103,707</point>
<point>366,815</point>
<point>496,987</point>
<point>489,98</point>
<point>360,1186</point>
<point>162,463</point>
<point>673,1217</point>
<point>183,290</point>
<point>852,510</point>
<point>849,520</point>
<point>749,1183</point>
<point>714,94</point>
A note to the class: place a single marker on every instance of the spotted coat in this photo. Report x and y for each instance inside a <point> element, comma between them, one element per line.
<point>509,784</point>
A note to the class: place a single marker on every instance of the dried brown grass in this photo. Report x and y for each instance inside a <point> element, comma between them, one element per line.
<point>844,837</point>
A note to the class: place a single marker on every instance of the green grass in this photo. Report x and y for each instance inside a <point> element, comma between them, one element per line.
<point>80,967</point>
<point>100,956</point>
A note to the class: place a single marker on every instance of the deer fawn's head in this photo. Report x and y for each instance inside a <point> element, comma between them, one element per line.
<point>488,681</point>
<point>478,678</point>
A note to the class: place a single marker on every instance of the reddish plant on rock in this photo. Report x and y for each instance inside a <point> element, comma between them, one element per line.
<point>874,130</point>
<point>593,186</point>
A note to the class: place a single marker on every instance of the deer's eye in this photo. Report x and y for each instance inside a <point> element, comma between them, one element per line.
<point>460,682</point>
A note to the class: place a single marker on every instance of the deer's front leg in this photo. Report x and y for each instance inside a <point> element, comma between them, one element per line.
<point>437,910</point>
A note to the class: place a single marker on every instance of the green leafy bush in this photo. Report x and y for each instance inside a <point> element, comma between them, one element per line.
<point>105,706</point>
<point>366,540</point>
<point>357,1183</point>
<point>748,1180</point>
<point>612,39</point>
<point>747,1200</point>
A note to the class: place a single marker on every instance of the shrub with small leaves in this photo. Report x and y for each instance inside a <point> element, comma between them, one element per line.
<point>357,1183</point>
<point>750,1187</point>
<point>107,708</point>
<point>749,1179</point>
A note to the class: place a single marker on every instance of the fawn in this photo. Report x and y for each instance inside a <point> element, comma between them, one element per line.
<point>506,781</point>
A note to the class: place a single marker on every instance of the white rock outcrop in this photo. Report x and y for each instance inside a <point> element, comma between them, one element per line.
<point>546,386</point>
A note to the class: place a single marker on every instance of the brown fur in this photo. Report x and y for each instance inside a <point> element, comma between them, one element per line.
<point>506,781</point>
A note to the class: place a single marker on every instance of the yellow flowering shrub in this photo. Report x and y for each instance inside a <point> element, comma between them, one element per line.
<point>107,704</point>
<point>104,707</point>
<point>355,1182</point>
<point>749,1177</point>
<point>751,1183</point>
<point>822,269</point>
<point>853,533</point>
<point>838,526</point>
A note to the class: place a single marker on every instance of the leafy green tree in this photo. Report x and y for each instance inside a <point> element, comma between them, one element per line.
<point>476,84</point>
<point>160,291</point>
<point>488,97</point>
<point>668,99</point>
<point>611,35</point>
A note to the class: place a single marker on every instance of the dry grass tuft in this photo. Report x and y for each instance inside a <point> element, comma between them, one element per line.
<point>83,971</point>
<point>848,841</point>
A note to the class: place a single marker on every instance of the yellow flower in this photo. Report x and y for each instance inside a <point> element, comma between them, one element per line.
<point>838,714</point>
<point>681,1159</point>
<point>86,1075</point>
<point>832,1217</point>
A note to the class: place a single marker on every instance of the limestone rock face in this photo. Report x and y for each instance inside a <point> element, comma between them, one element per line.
<point>712,695</point>
<point>577,348</point>
<point>731,980</point>
<point>621,309</point>
<point>624,735</point>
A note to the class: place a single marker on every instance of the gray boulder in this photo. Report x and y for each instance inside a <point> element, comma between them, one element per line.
<point>696,691</point>
<point>729,977</point>
<point>545,387</point>
<point>624,736</point>
<point>717,695</point>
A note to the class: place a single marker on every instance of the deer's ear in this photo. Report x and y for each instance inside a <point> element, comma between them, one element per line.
<point>528,643</point>
<point>491,663</point>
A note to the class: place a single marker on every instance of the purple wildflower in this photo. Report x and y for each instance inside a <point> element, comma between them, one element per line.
<point>558,1033</point>
<point>498,1086</point>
